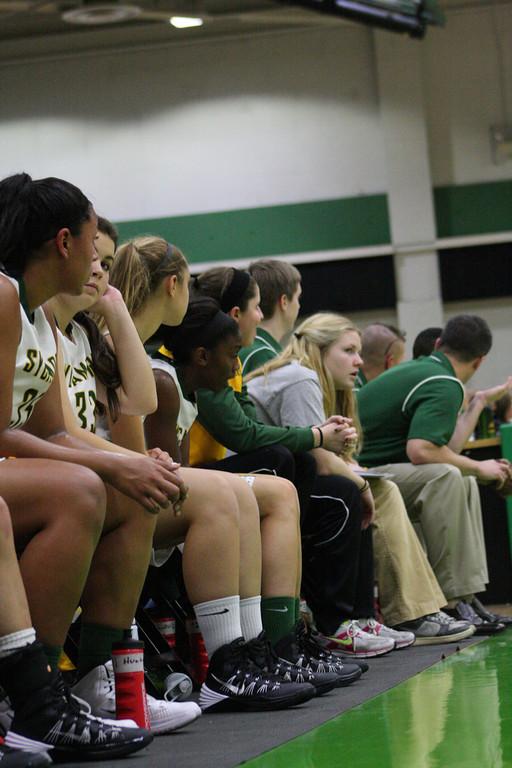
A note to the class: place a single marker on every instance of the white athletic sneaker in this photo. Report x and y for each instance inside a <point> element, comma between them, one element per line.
<point>97,688</point>
<point>352,641</point>
<point>443,617</point>
<point>402,639</point>
<point>438,628</point>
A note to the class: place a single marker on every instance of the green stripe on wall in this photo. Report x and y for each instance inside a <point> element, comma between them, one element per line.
<point>351,222</point>
<point>473,209</point>
<point>329,224</point>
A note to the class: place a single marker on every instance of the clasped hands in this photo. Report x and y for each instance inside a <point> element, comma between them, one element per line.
<point>172,466</point>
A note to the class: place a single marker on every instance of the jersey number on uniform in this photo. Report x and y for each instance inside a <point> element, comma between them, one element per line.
<point>26,407</point>
<point>81,408</point>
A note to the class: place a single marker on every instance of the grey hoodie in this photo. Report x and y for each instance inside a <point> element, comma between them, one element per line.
<point>288,396</point>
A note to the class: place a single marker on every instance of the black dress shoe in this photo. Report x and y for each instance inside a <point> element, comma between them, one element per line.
<point>487,615</point>
<point>465,612</point>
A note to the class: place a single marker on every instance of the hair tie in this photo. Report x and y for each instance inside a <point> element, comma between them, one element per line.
<point>234,293</point>
<point>297,335</point>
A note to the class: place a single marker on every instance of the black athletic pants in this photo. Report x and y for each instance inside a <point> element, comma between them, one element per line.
<point>337,565</point>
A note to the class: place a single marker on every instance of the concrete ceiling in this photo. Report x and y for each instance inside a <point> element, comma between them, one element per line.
<point>32,28</point>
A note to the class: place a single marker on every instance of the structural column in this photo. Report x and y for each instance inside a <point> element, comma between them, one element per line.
<point>411,210</point>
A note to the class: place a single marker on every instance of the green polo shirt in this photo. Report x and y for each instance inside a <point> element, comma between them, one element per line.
<point>361,380</point>
<point>420,399</point>
<point>263,349</point>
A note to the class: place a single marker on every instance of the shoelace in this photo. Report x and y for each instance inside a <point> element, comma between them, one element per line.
<point>313,654</point>
<point>260,651</point>
<point>372,625</point>
<point>468,613</point>
<point>246,667</point>
<point>444,618</point>
<point>300,634</point>
<point>321,654</point>
<point>353,629</point>
<point>266,658</point>
<point>75,712</point>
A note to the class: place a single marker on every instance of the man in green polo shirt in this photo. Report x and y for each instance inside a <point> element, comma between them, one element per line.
<point>409,415</point>
<point>280,290</point>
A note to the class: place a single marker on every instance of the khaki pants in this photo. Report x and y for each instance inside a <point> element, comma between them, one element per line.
<point>407,585</point>
<point>444,508</point>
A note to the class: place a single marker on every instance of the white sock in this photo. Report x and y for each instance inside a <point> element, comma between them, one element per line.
<point>219,621</point>
<point>250,617</point>
<point>16,640</point>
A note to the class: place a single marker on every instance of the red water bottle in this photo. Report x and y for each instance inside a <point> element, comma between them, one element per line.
<point>198,656</point>
<point>128,660</point>
<point>166,624</point>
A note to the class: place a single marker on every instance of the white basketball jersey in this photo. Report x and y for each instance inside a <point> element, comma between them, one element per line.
<point>188,411</point>
<point>36,360</point>
<point>79,375</point>
<point>186,417</point>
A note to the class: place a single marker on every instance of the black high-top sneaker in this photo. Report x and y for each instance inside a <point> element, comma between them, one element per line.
<point>265,657</point>
<point>293,648</point>
<point>48,718</point>
<point>348,673</point>
<point>15,758</point>
<point>235,682</point>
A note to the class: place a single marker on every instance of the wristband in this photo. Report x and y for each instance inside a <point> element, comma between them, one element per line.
<point>364,487</point>
<point>321,437</point>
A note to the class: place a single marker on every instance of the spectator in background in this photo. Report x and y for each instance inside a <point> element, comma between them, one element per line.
<point>314,378</point>
<point>383,346</point>
<point>411,427</point>
<point>280,291</point>
<point>425,341</point>
<point>503,410</point>
<point>489,404</point>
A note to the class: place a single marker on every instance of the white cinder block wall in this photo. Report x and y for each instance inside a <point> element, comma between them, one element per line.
<point>210,127</point>
<point>241,123</point>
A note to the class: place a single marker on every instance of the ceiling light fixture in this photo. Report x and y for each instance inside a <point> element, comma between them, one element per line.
<point>102,14</point>
<point>182,22</point>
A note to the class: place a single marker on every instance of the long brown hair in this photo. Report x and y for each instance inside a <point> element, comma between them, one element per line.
<point>307,346</point>
<point>139,267</point>
<point>104,364</point>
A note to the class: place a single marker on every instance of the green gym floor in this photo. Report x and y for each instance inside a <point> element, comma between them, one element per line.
<point>432,706</point>
<point>456,713</point>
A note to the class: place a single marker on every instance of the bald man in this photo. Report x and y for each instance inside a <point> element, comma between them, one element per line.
<point>383,346</point>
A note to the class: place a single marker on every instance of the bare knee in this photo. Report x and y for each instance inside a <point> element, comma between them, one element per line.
<point>222,503</point>
<point>84,498</point>
<point>280,500</point>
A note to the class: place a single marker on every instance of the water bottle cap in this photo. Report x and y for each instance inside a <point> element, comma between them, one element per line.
<point>128,644</point>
